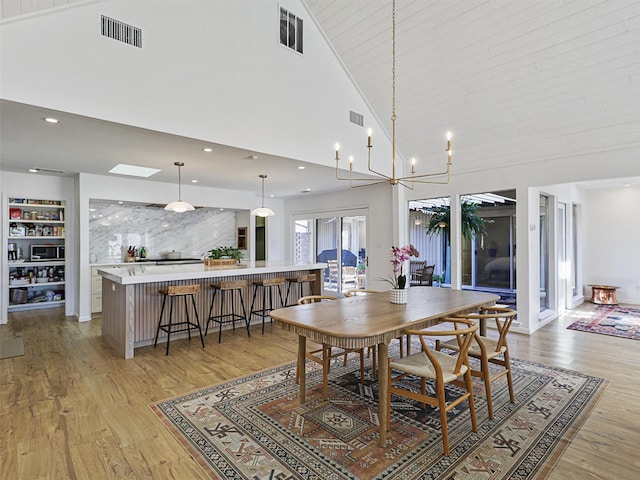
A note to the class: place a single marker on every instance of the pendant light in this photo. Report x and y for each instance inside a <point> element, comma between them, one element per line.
<point>262,211</point>
<point>179,206</point>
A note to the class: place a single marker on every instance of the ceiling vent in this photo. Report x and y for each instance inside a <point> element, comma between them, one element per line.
<point>120,31</point>
<point>356,118</point>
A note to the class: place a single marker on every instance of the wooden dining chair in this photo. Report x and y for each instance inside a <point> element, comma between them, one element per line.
<point>440,368</point>
<point>325,353</point>
<point>489,350</point>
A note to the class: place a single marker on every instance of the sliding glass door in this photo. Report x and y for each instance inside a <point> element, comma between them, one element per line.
<point>340,241</point>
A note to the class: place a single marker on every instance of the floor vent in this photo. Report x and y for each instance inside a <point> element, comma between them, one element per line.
<point>120,31</point>
<point>356,118</point>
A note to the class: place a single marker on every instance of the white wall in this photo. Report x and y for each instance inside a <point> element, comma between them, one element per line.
<point>213,70</point>
<point>612,241</point>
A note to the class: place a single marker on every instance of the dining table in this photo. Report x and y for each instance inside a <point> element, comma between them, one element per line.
<point>363,321</point>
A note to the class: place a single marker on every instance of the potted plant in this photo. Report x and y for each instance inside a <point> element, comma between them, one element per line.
<point>437,280</point>
<point>223,256</point>
<point>399,255</point>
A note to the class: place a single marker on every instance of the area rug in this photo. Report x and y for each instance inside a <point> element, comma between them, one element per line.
<point>11,347</point>
<point>255,427</point>
<point>611,320</point>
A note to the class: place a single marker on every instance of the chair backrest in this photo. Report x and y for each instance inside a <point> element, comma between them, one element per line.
<point>358,291</point>
<point>315,299</point>
<point>349,273</point>
<point>427,275</point>
<point>503,316</point>
<point>416,267</point>
<point>333,268</point>
<point>463,330</point>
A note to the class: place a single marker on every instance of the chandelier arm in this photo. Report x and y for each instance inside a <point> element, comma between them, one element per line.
<point>436,182</point>
<point>425,175</point>
<point>410,187</point>
<point>369,184</point>
<point>374,171</point>
<point>355,179</point>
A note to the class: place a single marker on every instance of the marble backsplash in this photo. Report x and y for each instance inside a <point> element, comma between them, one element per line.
<point>114,227</point>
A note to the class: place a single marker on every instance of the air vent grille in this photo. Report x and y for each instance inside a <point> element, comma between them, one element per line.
<point>356,118</point>
<point>120,31</point>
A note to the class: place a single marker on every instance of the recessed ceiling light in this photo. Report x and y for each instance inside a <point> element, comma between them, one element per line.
<point>207,149</point>
<point>134,170</point>
<point>34,170</point>
<point>252,157</point>
<point>626,184</point>
<point>272,195</point>
<point>194,181</point>
<point>51,120</point>
<point>301,167</point>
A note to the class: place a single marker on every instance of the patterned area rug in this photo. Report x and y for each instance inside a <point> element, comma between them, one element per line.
<point>255,428</point>
<point>611,320</point>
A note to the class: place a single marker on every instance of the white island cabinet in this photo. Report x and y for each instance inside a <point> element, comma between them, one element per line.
<point>131,300</point>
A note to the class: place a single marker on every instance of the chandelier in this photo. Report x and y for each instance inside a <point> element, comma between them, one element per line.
<point>406,181</point>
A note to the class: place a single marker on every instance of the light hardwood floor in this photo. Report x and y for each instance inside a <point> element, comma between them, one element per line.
<point>71,409</point>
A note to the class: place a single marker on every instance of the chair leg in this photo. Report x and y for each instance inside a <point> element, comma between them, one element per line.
<point>442,405</point>
<point>472,404</point>
<point>486,378</point>
<point>361,352</point>
<point>507,365</point>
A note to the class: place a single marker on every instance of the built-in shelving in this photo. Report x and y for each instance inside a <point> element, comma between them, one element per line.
<point>35,249</point>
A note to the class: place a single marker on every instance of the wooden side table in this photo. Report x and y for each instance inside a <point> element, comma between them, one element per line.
<point>604,294</point>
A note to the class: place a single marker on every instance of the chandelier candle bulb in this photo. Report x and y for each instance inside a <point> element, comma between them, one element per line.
<point>413,165</point>
<point>369,138</point>
<point>337,151</point>
<point>350,162</point>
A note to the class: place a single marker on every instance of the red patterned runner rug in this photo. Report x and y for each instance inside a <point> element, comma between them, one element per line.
<point>255,428</point>
<point>618,321</point>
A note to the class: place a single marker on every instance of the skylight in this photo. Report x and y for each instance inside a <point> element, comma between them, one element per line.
<point>133,170</point>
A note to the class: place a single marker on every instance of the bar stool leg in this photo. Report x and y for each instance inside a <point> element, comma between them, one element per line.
<point>186,314</point>
<point>264,305</point>
<point>164,300</point>
<point>244,312</point>
<point>221,312</point>
<point>169,325</point>
<point>210,312</point>
<point>195,311</point>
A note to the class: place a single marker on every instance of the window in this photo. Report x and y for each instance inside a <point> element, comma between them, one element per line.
<point>290,30</point>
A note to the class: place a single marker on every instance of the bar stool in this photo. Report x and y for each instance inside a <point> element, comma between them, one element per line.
<point>232,286</point>
<point>187,325</point>
<point>266,286</point>
<point>301,281</point>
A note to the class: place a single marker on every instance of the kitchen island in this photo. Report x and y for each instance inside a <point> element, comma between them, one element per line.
<point>131,300</point>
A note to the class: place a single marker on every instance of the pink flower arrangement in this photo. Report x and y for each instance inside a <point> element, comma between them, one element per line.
<point>399,255</point>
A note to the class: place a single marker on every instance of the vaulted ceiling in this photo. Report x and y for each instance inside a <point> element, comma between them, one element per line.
<point>516,82</point>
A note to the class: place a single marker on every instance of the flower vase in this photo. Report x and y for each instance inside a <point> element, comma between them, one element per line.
<point>398,295</point>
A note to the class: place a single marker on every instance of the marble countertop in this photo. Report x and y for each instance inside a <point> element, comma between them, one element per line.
<point>136,273</point>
